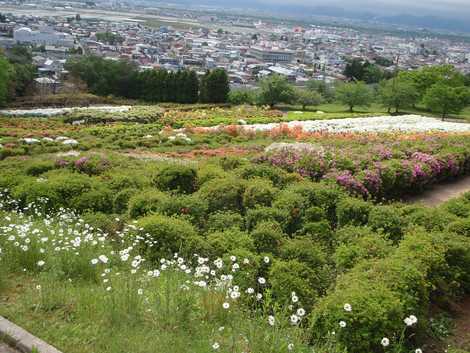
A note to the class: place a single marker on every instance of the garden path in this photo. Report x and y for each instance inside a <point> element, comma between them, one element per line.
<point>441,193</point>
<point>6,349</point>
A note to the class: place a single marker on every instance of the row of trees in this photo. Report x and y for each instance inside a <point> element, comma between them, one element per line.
<point>16,73</point>
<point>440,89</point>
<point>123,79</point>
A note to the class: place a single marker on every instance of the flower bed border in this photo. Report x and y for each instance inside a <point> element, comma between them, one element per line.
<point>22,340</point>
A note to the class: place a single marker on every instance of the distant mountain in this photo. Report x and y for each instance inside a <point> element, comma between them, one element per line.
<point>380,15</point>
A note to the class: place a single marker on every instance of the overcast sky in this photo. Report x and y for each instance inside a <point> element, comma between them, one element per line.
<point>458,8</point>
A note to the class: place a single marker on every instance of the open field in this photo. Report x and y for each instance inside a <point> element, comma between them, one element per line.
<point>148,232</point>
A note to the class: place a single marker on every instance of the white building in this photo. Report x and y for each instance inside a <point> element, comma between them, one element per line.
<point>47,36</point>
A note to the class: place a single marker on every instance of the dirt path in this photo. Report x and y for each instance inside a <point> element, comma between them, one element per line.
<point>461,334</point>
<point>441,193</point>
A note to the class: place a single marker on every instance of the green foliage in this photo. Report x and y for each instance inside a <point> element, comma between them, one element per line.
<point>225,241</point>
<point>220,221</point>
<point>443,99</point>
<point>6,74</point>
<point>323,88</point>
<point>267,237</point>
<point>366,247</point>
<point>121,200</point>
<point>242,96</point>
<point>178,178</point>
<point>275,89</point>
<point>293,276</point>
<point>146,202</point>
<point>169,235</point>
<point>381,293</point>
<point>398,94</point>
<point>354,94</point>
<point>358,70</point>
<point>97,200</point>
<point>38,168</point>
<point>223,194</point>
<point>387,219</point>
<point>308,98</point>
<point>121,78</point>
<point>109,38</point>
<point>214,87</point>
<point>258,192</point>
<point>351,211</point>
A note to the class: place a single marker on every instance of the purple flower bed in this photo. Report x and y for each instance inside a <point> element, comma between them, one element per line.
<point>380,171</point>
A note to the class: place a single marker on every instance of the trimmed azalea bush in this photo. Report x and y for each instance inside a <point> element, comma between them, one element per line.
<point>121,199</point>
<point>267,237</point>
<point>382,293</point>
<point>146,202</point>
<point>224,242</point>
<point>179,178</point>
<point>370,246</point>
<point>223,194</point>
<point>220,221</point>
<point>259,192</point>
<point>263,214</point>
<point>38,168</point>
<point>98,200</point>
<point>294,279</point>
<point>169,235</point>
<point>352,211</point>
<point>387,219</point>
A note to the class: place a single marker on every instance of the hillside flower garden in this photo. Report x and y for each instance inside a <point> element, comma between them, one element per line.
<point>168,234</point>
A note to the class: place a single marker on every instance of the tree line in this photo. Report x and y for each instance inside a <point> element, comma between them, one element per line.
<point>122,78</point>
<point>439,89</point>
<point>17,73</point>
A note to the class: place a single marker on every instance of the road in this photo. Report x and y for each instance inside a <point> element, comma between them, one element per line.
<point>6,349</point>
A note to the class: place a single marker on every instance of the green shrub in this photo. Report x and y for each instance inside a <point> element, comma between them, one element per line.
<point>314,214</point>
<point>432,219</point>
<point>210,172</point>
<point>290,276</point>
<point>191,207</point>
<point>267,237</point>
<point>461,227</point>
<point>459,207</point>
<point>258,192</point>
<point>220,221</point>
<point>318,231</point>
<point>69,185</point>
<point>387,219</point>
<point>121,200</point>
<point>261,214</point>
<point>38,168</point>
<point>97,200</point>
<point>231,163</point>
<point>223,194</point>
<point>292,205</point>
<point>352,211</point>
<point>224,242</point>
<point>38,192</point>
<point>178,178</point>
<point>350,234</point>
<point>120,180</point>
<point>382,293</point>
<point>170,235</point>
<point>308,252</point>
<point>146,202</point>
<point>250,267</point>
<point>107,223</point>
<point>370,246</point>
<point>278,177</point>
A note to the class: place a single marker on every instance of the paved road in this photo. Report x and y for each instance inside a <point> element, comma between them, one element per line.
<point>6,349</point>
<point>443,192</point>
